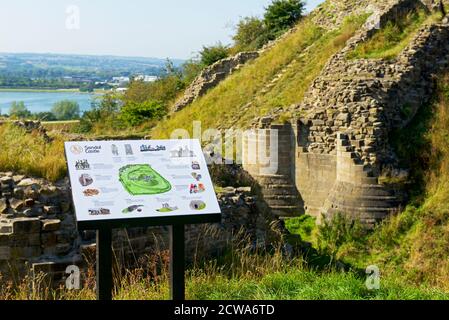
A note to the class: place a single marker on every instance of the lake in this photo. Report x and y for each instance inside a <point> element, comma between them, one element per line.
<point>43,101</point>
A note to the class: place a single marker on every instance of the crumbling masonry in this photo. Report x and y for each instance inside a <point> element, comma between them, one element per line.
<point>331,156</point>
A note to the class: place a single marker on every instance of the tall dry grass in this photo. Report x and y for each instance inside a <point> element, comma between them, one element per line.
<point>30,154</point>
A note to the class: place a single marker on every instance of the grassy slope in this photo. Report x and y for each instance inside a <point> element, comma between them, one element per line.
<point>225,104</point>
<point>390,40</point>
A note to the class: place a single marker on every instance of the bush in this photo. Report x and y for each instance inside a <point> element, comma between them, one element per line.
<point>19,110</point>
<point>44,116</point>
<point>282,15</point>
<point>104,111</point>
<point>134,114</point>
<point>212,54</point>
<point>164,89</point>
<point>339,230</point>
<point>66,110</point>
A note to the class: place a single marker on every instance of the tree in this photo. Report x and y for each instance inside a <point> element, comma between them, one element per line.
<point>210,55</point>
<point>19,110</point>
<point>66,110</point>
<point>251,34</point>
<point>282,15</point>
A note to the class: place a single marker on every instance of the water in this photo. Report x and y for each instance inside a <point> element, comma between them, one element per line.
<point>43,101</point>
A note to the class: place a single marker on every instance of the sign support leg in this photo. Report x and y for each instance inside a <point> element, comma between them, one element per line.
<point>177,262</point>
<point>104,264</point>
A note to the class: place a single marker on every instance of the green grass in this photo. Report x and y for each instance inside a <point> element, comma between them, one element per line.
<point>240,275</point>
<point>394,37</point>
<point>304,226</point>
<point>225,105</point>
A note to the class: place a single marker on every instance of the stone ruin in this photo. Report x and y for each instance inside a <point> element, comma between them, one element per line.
<point>38,230</point>
<point>336,147</point>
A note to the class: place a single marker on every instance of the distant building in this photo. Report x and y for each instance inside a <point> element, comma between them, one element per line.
<point>145,78</point>
<point>119,82</point>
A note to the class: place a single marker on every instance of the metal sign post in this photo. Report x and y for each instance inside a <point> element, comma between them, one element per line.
<point>104,264</point>
<point>177,262</point>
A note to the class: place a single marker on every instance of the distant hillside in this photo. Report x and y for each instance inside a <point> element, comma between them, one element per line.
<point>25,69</point>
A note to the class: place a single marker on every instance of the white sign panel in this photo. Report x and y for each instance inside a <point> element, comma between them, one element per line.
<point>139,179</point>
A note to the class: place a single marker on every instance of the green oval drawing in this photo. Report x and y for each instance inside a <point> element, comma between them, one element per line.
<point>142,179</point>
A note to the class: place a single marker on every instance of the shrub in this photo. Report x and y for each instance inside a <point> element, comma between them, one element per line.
<point>210,55</point>
<point>164,89</point>
<point>333,233</point>
<point>44,116</point>
<point>134,114</point>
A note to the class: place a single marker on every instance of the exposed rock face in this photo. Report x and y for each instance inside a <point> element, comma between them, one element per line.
<point>37,226</point>
<point>339,145</point>
<point>212,76</point>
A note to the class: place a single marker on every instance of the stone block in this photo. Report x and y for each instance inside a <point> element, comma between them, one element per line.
<point>25,252</point>
<point>26,240</point>
<point>51,225</point>
<point>51,210</point>
<point>49,239</point>
<point>3,206</point>
<point>26,225</point>
<point>16,204</point>
<point>5,253</point>
<point>28,183</point>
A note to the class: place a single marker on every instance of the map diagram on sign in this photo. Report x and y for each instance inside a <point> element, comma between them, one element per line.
<point>142,179</point>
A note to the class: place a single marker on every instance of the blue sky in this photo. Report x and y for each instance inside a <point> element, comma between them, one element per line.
<point>150,28</point>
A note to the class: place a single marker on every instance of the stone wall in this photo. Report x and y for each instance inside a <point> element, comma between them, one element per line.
<point>38,229</point>
<point>211,76</point>
<point>341,129</point>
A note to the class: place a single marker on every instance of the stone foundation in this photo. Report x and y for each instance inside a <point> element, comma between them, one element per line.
<point>38,230</point>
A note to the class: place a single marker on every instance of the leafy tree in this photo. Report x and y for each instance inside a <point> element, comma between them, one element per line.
<point>251,34</point>
<point>66,110</point>
<point>282,15</point>
<point>134,114</point>
<point>210,55</point>
<point>105,111</point>
<point>19,110</point>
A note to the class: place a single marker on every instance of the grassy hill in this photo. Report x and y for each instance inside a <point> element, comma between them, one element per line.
<point>278,78</point>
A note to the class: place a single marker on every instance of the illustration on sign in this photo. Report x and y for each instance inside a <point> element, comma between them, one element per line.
<point>139,179</point>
